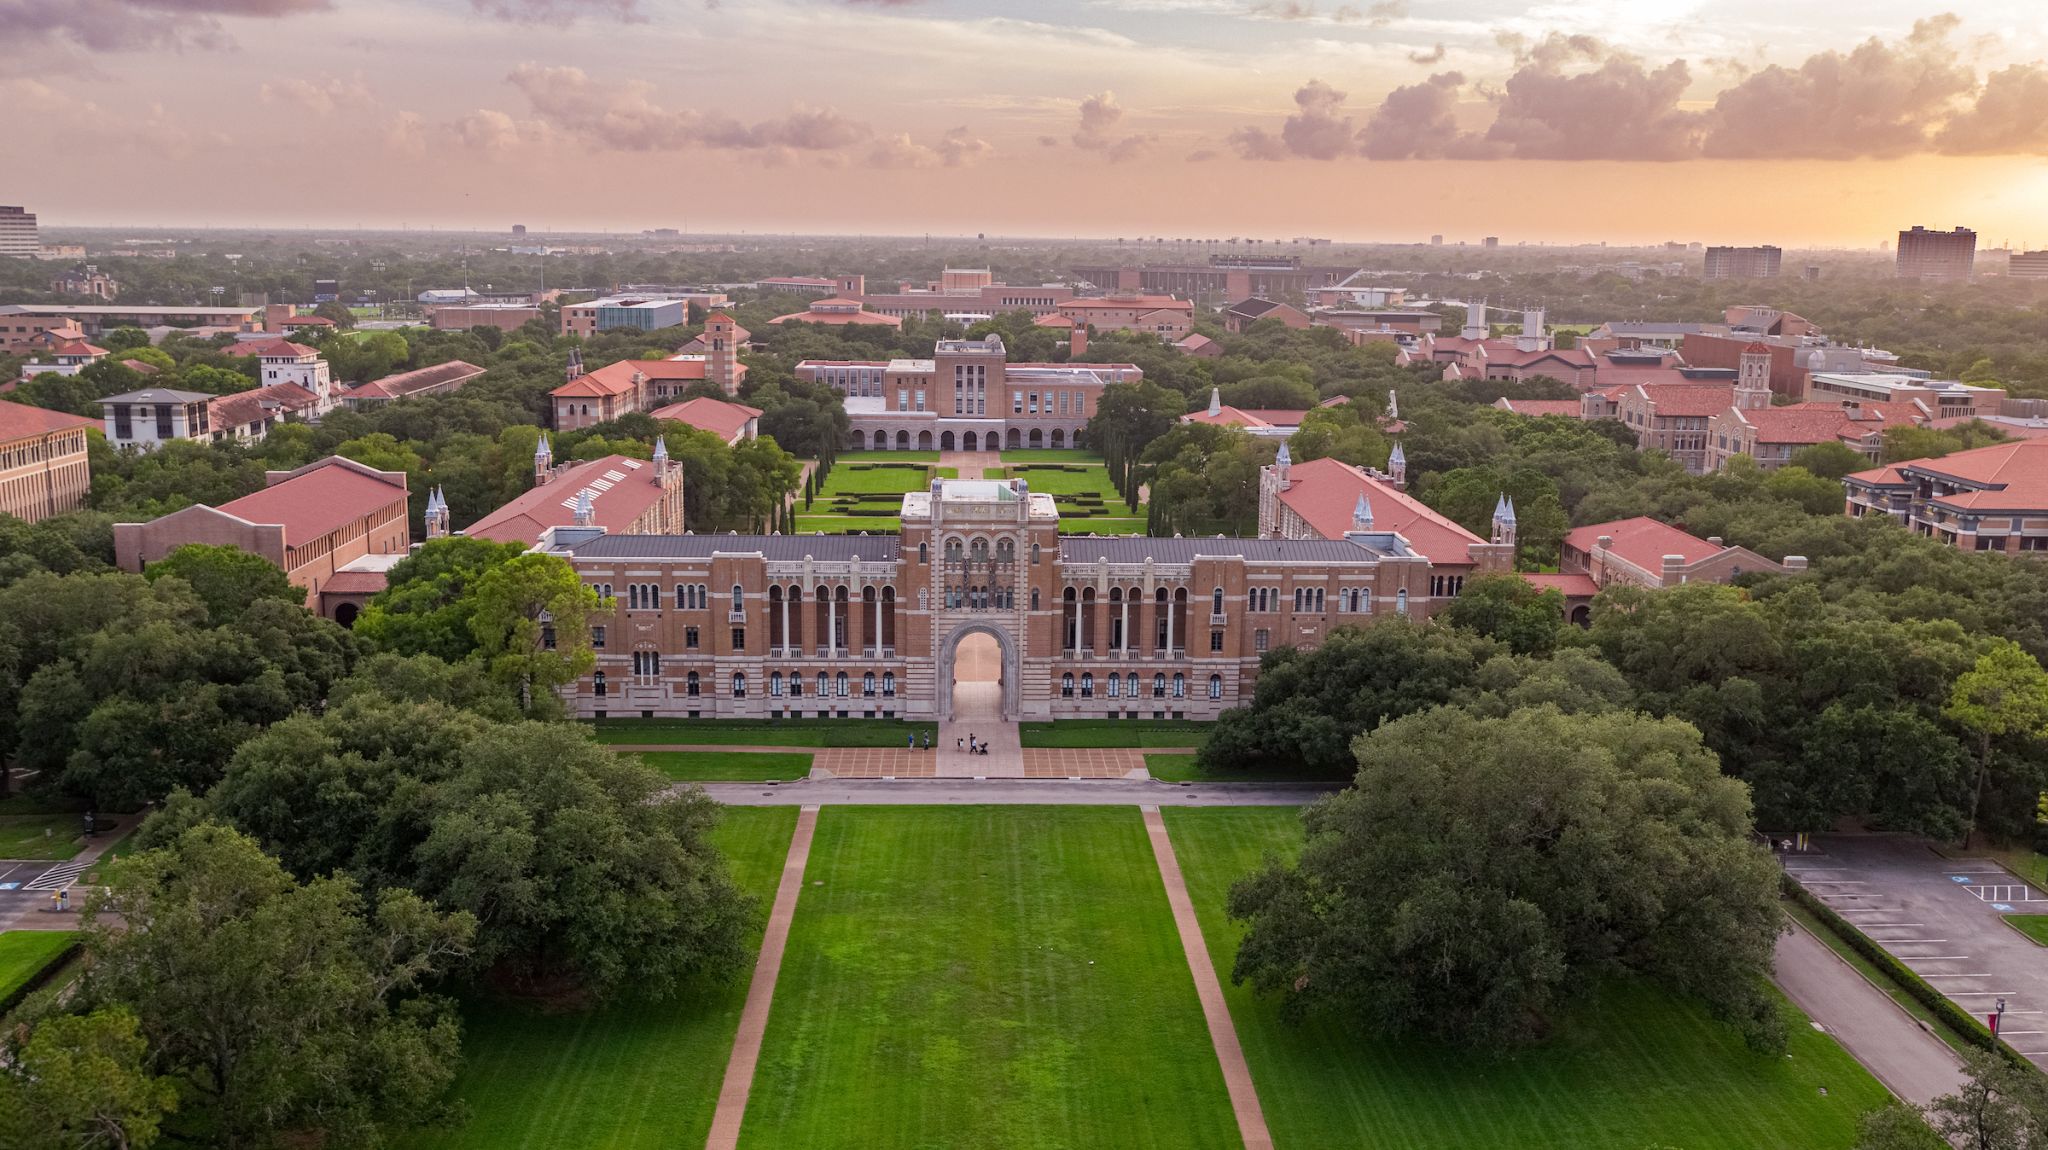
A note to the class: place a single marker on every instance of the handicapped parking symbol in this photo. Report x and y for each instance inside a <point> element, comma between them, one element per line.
<point>2004,906</point>
<point>1961,878</point>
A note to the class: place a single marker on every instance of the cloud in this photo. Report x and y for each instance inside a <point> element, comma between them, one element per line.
<point>128,25</point>
<point>405,134</point>
<point>1048,141</point>
<point>1201,155</point>
<point>322,97</point>
<point>1319,131</point>
<point>955,149</point>
<point>1620,109</point>
<point>563,11</point>
<point>1100,115</point>
<point>83,125</point>
<point>2010,115</point>
<point>1417,122</point>
<point>489,130</point>
<point>1879,100</point>
<point>1433,56</point>
<point>625,118</point>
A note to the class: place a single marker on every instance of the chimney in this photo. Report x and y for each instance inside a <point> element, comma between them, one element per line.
<point>1713,540</point>
<point>1077,343</point>
<point>1673,564</point>
<point>1795,562</point>
<point>1606,543</point>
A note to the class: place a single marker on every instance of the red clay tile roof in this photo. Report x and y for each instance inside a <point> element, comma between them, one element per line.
<point>1570,584</point>
<point>1145,302</point>
<point>1689,399</point>
<point>621,489</point>
<point>269,348</point>
<point>1052,319</point>
<point>18,420</point>
<point>246,407</point>
<point>1642,541</point>
<point>1324,493</point>
<point>319,498</point>
<point>716,416</point>
<point>452,374</point>
<point>838,317</point>
<point>139,367</point>
<point>617,378</point>
<point>76,347</point>
<point>1818,422</point>
<point>2019,471</point>
<point>356,583</point>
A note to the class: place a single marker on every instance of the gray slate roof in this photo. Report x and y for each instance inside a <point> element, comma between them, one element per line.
<point>824,548</point>
<point>1135,549</point>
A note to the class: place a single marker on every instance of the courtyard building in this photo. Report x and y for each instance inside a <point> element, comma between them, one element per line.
<point>873,625</point>
<point>44,469</point>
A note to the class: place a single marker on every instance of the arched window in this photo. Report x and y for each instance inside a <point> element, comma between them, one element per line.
<point>796,684</point>
<point>924,554</point>
<point>1401,601</point>
<point>1215,686</point>
<point>953,551</point>
<point>1034,598</point>
<point>739,684</point>
<point>867,684</point>
<point>1216,602</point>
<point>597,684</point>
<point>1131,684</point>
<point>923,599</point>
<point>690,685</point>
<point>738,598</point>
<point>978,551</point>
<point>1087,684</point>
<point>888,684</point>
<point>1158,685</point>
<point>1180,685</point>
<point>682,596</point>
<point>775,684</point>
<point>1034,554</point>
<point>1115,686</point>
<point>824,684</point>
<point>1006,551</point>
<point>1066,685</point>
<point>1319,599</point>
<point>842,684</point>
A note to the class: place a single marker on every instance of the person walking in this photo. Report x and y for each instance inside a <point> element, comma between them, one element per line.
<point>927,740</point>
<point>910,742</point>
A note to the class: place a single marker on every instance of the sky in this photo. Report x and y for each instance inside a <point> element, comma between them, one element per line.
<point>1810,123</point>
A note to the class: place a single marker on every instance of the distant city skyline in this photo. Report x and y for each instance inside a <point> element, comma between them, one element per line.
<point>1636,121</point>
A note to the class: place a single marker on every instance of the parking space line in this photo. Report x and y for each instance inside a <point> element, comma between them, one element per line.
<point>1978,993</point>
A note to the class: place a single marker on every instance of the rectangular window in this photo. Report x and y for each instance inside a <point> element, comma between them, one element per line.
<point>597,638</point>
<point>739,639</point>
<point>690,638</point>
<point>903,399</point>
<point>1261,639</point>
<point>920,399</point>
<point>1215,640</point>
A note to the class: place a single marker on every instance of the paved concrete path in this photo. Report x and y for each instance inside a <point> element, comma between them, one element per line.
<point>1913,1064</point>
<point>1237,1074</point>
<point>977,711</point>
<point>746,1042</point>
<point>970,463</point>
<point>1043,792</point>
<point>29,907</point>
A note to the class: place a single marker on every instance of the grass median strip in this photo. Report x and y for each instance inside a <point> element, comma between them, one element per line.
<point>734,766</point>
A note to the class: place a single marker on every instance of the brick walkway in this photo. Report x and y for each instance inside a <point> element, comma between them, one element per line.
<point>1237,1075</point>
<point>746,1043</point>
<point>1037,763</point>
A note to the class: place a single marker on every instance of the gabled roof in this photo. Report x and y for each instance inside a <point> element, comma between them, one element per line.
<point>246,407</point>
<point>1538,407</point>
<point>720,418</point>
<point>318,498</point>
<point>270,349</point>
<point>19,421</point>
<point>156,395</point>
<point>1325,491</point>
<point>1252,308</point>
<point>617,378</point>
<point>1688,399</point>
<point>76,347</point>
<point>450,375</point>
<point>1141,302</point>
<point>1570,584</point>
<point>620,489</point>
<point>1052,319</point>
<point>2014,475</point>
<point>1642,541</point>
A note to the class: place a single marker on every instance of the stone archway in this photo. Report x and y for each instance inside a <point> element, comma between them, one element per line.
<point>1007,655</point>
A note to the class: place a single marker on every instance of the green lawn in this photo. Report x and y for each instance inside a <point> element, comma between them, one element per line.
<point>896,477</point>
<point>848,524</point>
<point>634,1075</point>
<point>985,977</point>
<point>2034,926</point>
<point>1115,732</point>
<point>759,732</point>
<point>1629,1069</point>
<point>24,954</point>
<point>1048,455</point>
<point>39,836</point>
<point>738,766</point>
<point>1099,525</point>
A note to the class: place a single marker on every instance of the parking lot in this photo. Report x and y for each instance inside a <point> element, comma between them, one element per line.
<point>1942,918</point>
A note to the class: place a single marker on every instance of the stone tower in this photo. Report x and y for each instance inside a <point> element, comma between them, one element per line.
<point>722,355</point>
<point>1753,378</point>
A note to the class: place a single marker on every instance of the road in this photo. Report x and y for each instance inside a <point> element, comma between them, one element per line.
<point>1912,1063</point>
<point>1043,792</point>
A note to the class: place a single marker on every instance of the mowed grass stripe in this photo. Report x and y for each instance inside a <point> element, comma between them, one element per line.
<point>632,1076</point>
<point>1628,1069</point>
<point>937,990</point>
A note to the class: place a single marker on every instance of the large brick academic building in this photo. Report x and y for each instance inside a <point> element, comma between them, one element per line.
<point>870,625</point>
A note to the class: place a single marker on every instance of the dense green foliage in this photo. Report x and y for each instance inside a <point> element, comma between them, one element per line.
<point>1482,873</point>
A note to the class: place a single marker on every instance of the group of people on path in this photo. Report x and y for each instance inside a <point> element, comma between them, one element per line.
<point>970,744</point>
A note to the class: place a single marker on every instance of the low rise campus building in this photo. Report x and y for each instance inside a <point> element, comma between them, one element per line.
<point>44,469</point>
<point>1987,499</point>
<point>870,625</point>
<point>616,493</point>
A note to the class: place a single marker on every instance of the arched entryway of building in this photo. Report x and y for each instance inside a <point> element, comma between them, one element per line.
<point>346,614</point>
<point>968,442</point>
<point>924,441</point>
<point>945,441</point>
<point>978,675</point>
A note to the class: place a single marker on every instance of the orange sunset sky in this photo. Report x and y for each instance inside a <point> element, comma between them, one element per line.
<point>1825,123</point>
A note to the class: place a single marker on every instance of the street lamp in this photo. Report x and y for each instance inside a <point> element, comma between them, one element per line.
<point>1997,1017</point>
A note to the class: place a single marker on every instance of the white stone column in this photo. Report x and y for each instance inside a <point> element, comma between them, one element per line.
<point>785,623</point>
<point>1125,646</point>
<point>1170,605</point>
<point>832,615</point>
<point>877,645</point>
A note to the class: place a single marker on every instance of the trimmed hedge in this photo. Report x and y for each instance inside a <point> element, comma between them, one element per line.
<point>1969,1026</point>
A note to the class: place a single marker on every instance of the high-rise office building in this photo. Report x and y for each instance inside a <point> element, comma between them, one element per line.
<point>18,236</point>
<point>2028,266</point>
<point>1755,263</point>
<point>1490,242</point>
<point>1930,255</point>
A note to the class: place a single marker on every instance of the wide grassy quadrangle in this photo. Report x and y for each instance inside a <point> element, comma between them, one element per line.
<point>758,732</point>
<point>1633,1068</point>
<point>24,954</point>
<point>985,977</point>
<point>1115,733</point>
<point>631,1076</point>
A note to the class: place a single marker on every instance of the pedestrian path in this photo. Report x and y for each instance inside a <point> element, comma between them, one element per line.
<point>746,1042</point>
<point>946,763</point>
<point>1237,1074</point>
